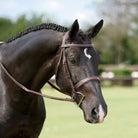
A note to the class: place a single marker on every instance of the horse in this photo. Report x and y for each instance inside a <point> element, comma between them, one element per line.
<point>32,57</point>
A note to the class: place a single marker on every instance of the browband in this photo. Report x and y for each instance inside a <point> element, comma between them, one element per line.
<point>76,45</point>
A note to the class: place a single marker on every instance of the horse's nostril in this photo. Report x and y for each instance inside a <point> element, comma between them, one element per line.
<point>94,112</point>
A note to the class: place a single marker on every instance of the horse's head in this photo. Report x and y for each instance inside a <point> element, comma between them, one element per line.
<point>77,72</point>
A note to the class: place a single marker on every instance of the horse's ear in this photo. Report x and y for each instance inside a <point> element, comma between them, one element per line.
<point>74,30</point>
<point>93,31</point>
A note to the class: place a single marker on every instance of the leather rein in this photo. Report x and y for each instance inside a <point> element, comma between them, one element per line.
<point>67,72</point>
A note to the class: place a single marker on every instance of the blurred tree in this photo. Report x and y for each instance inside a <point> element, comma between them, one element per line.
<point>5,28</point>
<point>118,38</point>
<point>24,22</point>
<point>9,28</point>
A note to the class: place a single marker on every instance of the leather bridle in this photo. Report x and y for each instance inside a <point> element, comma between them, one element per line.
<point>63,58</point>
<point>67,72</point>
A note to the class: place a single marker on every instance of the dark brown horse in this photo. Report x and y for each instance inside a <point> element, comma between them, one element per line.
<point>32,57</point>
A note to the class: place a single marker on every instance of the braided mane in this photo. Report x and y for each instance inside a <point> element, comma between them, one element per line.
<point>48,26</point>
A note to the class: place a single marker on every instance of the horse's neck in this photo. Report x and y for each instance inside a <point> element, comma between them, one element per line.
<point>32,59</point>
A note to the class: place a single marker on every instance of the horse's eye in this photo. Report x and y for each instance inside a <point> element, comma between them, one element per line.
<point>72,60</point>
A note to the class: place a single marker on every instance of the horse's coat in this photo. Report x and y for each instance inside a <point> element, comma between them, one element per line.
<point>31,57</point>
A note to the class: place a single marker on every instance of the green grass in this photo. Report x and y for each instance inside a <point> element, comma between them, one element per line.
<point>65,120</point>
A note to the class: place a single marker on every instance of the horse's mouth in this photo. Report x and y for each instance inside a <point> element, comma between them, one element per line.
<point>92,121</point>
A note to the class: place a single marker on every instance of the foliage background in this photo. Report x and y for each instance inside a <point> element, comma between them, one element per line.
<point>116,43</point>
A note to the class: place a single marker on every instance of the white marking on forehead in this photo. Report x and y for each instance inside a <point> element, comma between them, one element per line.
<point>86,54</point>
<point>101,114</point>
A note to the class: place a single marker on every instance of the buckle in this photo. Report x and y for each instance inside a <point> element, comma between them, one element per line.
<point>82,98</point>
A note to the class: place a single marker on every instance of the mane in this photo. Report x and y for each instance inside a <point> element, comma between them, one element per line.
<point>48,26</point>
